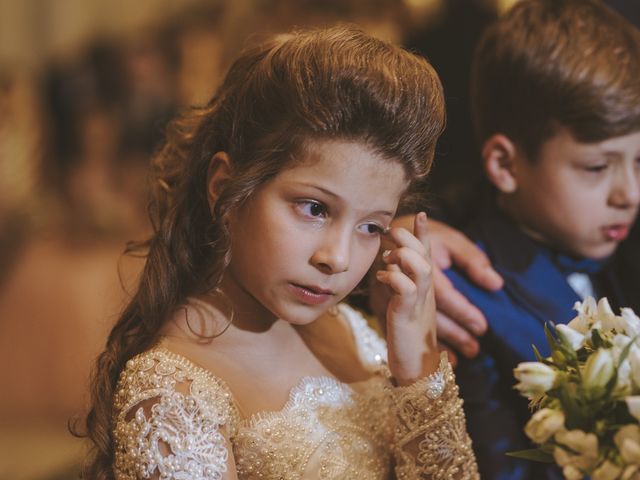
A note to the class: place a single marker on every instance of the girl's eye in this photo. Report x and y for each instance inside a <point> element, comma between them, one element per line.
<point>310,208</point>
<point>371,229</point>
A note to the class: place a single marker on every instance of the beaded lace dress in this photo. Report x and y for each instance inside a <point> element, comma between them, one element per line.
<point>176,420</point>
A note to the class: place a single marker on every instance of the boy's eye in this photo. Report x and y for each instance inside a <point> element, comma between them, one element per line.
<point>371,228</point>
<point>310,208</point>
<point>596,168</point>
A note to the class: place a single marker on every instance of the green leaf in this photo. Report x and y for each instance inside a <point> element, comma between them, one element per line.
<point>576,413</point>
<point>625,351</point>
<point>551,340</point>
<point>536,352</point>
<point>559,357</point>
<point>534,454</point>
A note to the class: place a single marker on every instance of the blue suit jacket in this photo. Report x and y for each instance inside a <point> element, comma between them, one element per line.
<point>535,291</point>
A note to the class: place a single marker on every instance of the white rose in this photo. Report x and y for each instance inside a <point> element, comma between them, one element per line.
<point>570,336</point>
<point>535,378</point>
<point>604,309</point>
<point>627,439</point>
<point>634,364</point>
<point>621,340</point>
<point>623,384</point>
<point>606,471</point>
<point>543,424</point>
<point>598,369</point>
<point>586,315</point>
<point>631,322</point>
<point>633,404</point>
<point>607,318</point>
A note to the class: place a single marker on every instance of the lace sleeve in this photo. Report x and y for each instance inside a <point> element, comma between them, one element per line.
<point>431,440</point>
<point>171,423</point>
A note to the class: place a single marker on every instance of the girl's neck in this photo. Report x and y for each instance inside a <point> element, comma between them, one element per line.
<point>244,310</point>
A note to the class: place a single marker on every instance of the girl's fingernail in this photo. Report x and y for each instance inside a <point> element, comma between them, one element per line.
<point>422,216</point>
<point>379,274</point>
<point>386,253</point>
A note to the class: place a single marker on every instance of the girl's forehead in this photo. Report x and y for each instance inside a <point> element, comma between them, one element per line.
<point>338,157</point>
<point>350,173</point>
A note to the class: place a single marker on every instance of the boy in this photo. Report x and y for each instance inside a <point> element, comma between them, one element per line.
<point>556,105</point>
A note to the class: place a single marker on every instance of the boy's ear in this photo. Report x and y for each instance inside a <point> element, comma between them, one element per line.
<point>499,161</point>
<point>218,174</point>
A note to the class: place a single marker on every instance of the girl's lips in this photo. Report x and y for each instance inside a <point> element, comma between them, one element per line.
<point>616,232</point>
<point>310,295</point>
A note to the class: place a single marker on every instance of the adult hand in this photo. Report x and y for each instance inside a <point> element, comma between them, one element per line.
<point>459,321</point>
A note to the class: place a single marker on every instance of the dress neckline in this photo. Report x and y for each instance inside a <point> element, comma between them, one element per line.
<point>322,382</point>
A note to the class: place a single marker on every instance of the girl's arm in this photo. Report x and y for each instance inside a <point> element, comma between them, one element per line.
<point>431,441</point>
<point>411,311</point>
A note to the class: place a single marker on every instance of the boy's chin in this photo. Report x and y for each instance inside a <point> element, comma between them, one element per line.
<point>599,252</point>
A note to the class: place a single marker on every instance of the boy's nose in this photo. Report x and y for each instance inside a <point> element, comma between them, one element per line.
<point>332,255</point>
<point>626,192</point>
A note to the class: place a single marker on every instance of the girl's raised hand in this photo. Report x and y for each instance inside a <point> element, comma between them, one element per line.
<point>411,312</point>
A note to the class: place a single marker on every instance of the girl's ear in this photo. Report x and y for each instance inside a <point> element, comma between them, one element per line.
<point>218,174</point>
<point>499,161</point>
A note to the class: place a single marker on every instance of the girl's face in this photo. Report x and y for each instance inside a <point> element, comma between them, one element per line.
<point>308,236</point>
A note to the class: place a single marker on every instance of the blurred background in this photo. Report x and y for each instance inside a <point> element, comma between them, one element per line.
<point>86,89</point>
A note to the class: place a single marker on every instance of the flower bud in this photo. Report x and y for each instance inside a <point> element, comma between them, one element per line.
<point>598,369</point>
<point>544,423</point>
<point>570,336</point>
<point>535,378</point>
<point>633,404</point>
<point>606,471</point>
<point>627,439</point>
<point>580,442</point>
<point>583,449</point>
<point>572,473</point>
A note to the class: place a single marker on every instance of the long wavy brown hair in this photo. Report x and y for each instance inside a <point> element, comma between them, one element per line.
<point>311,84</point>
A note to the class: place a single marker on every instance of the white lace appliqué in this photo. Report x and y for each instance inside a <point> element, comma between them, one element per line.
<point>178,436</point>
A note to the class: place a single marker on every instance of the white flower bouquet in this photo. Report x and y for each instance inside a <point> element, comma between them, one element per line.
<point>587,395</point>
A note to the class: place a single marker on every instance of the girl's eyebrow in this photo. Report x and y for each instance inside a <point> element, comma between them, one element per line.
<point>322,189</point>
<point>386,213</point>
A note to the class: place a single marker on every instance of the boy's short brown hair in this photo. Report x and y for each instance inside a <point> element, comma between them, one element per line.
<point>557,63</point>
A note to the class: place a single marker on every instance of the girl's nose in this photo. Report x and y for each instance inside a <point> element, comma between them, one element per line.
<point>332,254</point>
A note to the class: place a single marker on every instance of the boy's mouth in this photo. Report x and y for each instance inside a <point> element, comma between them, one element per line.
<point>616,232</point>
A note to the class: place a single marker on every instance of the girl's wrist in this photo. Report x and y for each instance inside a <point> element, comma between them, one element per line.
<point>427,365</point>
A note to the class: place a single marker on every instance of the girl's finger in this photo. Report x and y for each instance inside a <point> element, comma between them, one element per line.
<point>403,287</point>
<point>404,238</point>
<point>412,264</point>
<point>421,232</point>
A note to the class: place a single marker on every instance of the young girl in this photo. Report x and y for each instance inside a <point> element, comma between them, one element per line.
<point>235,358</point>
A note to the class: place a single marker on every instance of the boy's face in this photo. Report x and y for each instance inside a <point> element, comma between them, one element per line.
<point>580,198</point>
